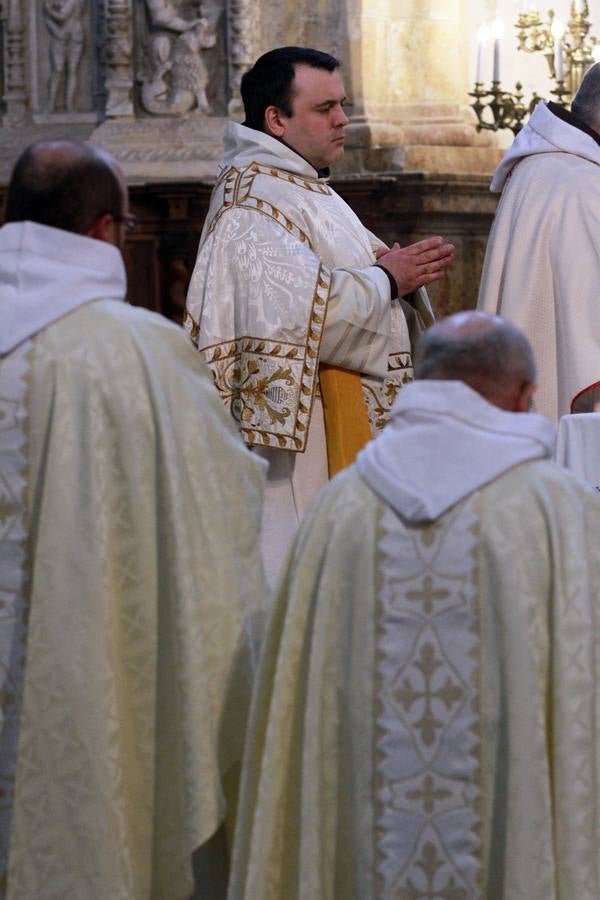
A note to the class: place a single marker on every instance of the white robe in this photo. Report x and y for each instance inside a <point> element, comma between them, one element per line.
<point>284,280</point>
<point>131,583</point>
<point>425,723</point>
<point>542,262</point>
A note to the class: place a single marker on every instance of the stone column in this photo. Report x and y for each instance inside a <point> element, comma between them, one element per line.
<point>15,96</point>
<point>119,58</point>
<point>409,77</point>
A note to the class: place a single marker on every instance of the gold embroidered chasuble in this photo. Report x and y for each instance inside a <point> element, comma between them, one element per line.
<point>425,725</point>
<point>284,280</point>
<point>131,577</point>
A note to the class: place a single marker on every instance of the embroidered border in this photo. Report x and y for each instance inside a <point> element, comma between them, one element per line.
<point>428,829</point>
<point>237,191</point>
<point>268,385</point>
<point>379,396</point>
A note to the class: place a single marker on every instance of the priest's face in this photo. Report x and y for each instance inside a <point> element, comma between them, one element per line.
<point>316,127</point>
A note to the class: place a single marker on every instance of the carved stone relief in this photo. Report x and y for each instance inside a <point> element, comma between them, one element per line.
<point>64,21</point>
<point>181,65</point>
<point>63,57</point>
<point>87,60</point>
<point>15,91</point>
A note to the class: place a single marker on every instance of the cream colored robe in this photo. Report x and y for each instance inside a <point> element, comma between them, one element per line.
<point>284,280</point>
<point>542,264</point>
<point>426,721</point>
<point>131,588</point>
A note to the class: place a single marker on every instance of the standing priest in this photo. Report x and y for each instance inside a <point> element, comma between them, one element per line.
<point>426,717</point>
<point>542,264</point>
<point>287,278</point>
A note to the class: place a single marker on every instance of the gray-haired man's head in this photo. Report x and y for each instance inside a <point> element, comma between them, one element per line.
<point>486,352</point>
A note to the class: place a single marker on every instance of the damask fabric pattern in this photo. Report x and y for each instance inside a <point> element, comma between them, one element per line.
<point>14,385</point>
<point>284,279</point>
<point>146,599</point>
<point>426,719</point>
<point>428,708</point>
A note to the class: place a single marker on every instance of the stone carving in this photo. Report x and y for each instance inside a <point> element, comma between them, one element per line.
<point>15,96</point>
<point>180,75</point>
<point>64,22</point>
<point>241,26</point>
<point>119,76</point>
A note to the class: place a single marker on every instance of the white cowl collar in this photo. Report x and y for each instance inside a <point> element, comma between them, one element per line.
<point>46,273</point>
<point>243,145</point>
<point>443,442</point>
<point>545,133</point>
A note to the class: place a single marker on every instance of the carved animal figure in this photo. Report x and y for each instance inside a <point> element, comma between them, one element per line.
<point>180,75</point>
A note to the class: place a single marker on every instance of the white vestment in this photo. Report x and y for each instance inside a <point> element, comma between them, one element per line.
<point>284,281</point>
<point>542,263</point>
<point>131,583</point>
<point>425,723</point>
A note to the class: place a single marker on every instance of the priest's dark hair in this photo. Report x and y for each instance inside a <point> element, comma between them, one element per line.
<point>66,184</point>
<point>270,80</point>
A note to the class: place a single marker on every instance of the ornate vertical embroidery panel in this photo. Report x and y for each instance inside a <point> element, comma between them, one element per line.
<point>14,371</point>
<point>427,707</point>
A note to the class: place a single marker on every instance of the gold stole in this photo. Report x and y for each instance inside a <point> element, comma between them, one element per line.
<point>347,427</point>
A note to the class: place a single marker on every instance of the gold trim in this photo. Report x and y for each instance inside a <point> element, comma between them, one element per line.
<point>253,390</point>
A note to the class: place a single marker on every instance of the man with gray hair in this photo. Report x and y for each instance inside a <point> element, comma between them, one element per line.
<point>542,263</point>
<point>425,711</point>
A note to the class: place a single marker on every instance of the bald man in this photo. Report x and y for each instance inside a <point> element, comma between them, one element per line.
<point>130,578</point>
<point>425,719</point>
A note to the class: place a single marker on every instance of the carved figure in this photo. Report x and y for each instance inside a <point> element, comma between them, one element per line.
<point>179,74</point>
<point>64,21</point>
<point>164,15</point>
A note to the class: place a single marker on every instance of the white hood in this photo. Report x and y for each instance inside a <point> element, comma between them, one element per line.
<point>46,273</point>
<point>545,133</point>
<point>443,442</point>
<point>243,146</point>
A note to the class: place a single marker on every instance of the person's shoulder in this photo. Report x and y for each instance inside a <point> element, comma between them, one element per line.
<point>123,322</point>
<point>111,334</point>
<point>543,484</point>
<point>345,500</point>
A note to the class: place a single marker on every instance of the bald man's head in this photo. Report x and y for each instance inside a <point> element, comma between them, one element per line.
<point>486,352</point>
<point>65,184</point>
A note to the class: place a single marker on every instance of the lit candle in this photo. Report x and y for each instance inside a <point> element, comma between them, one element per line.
<point>558,29</point>
<point>497,32</point>
<point>558,61</point>
<point>579,6</point>
<point>482,37</point>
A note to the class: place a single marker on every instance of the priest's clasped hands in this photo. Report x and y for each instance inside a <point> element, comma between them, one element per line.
<point>418,264</point>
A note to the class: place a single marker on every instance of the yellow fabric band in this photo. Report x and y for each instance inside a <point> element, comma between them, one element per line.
<point>347,427</point>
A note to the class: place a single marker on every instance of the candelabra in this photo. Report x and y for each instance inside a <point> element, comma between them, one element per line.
<point>569,52</point>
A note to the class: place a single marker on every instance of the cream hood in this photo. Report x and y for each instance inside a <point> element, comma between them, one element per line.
<point>443,442</point>
<point>545,133</point>
<point>46,273</point>
<point>243,146</point>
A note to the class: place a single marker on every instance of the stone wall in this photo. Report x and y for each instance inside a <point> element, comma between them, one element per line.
<point>155,81</point>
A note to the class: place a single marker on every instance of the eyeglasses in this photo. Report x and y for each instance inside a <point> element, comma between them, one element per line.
<point>128,220</point>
